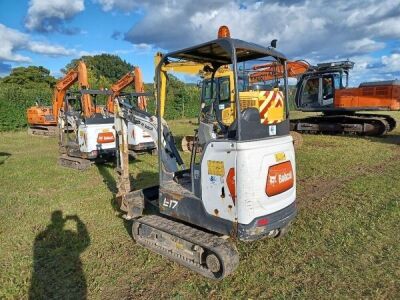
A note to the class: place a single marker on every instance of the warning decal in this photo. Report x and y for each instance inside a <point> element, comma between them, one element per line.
<point>216,167</point>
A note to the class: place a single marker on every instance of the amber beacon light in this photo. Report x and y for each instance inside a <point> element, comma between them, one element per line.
<point>223,32</point>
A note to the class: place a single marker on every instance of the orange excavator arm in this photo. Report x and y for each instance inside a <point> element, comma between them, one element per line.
<point>60,89</point>
<point>273,70</point>
<point>79,74</point>
<point>133,77</point>
<point>88,108</point>
<point>139,88</point>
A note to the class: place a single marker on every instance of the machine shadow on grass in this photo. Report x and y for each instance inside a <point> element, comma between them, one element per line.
<point>393,139</point>
<point>387,139</point>
<point>57,269</point>
<point>141,181</point>
<point>3,157</point>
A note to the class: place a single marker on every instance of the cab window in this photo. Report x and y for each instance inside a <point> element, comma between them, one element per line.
<point>224,90</point>
<point>209,91</point>
<point>327,87</point>
<point>310,91</point>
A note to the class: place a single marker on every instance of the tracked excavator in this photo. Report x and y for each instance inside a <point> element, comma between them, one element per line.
<point>43,120</point>
<point>91,138</point>
<point>138,140</point>
<point>324,88</point>
<point>240,186</point>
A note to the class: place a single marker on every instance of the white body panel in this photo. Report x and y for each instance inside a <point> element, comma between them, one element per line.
<point>137,136</point>
<point>87,137</point>
<point>211,185</point>
<point>251,161</point>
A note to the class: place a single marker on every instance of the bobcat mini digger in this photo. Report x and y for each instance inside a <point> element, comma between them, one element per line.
<point>241,185</point>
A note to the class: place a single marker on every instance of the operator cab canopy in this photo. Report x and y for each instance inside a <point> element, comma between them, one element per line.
<point>221,52</point>
<point>230,52</point>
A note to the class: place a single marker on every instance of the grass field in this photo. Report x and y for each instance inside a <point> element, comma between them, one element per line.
<point>345,242</point>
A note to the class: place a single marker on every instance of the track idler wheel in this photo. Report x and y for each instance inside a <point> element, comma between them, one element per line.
<point>213,263</point>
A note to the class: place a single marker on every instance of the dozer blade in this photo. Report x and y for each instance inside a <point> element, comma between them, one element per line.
<point>74,162</point>
<point>187,143</point>
<point>200,251</point>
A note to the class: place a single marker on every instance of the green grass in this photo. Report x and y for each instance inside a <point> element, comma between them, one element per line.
<point>345,242</point>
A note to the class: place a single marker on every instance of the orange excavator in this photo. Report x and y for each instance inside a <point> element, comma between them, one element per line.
<point>43,120</point>
<point>324,88</point>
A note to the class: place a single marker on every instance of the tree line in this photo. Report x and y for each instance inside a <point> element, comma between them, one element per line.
<point>26,86</point>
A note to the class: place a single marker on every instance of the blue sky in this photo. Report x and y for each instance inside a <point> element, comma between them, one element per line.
<point>52,32</point>
<point>95,29</point>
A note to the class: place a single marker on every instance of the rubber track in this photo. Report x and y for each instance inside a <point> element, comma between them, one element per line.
<point>74,162</point>
<point>225,250</point>
<point>380,123</point>
<point>389,119</point>
<point>43,131</point>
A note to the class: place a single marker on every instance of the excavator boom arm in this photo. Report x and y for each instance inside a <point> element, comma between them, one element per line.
<point>79,74</point>
<point>273,70</point>
<point>125,113</point>
<point>133,77</point>
<point>88,108</point>
<point>60,89</point>
<point>191,68</point>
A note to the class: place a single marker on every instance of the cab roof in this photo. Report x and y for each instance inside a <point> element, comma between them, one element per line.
<point>220,52</point>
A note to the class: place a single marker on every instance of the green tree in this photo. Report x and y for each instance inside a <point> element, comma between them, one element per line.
<point>30,76</point>
<point>110,67</point>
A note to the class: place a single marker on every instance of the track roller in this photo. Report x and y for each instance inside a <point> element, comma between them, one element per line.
<point>200,251</point>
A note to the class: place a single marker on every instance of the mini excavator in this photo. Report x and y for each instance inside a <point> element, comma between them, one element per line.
<point>91,137</point>
<point>240,185</point>
<point>138,140</point>
<point>43,120</point>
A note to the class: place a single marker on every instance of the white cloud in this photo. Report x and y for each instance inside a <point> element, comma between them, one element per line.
<point>363,45</point>
<point>302,27</point>
<point>50,15</point>
<point>51,50</point>
<point>315,30</point>
<point>391,62</point>
<point>125,5</point>
<point>14,40</point>
<point>386,28</point>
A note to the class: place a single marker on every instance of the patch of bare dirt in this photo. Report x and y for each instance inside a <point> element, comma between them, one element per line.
<point>311,191</point>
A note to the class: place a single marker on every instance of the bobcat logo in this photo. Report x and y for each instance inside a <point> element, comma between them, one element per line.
<point>272,179</point>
